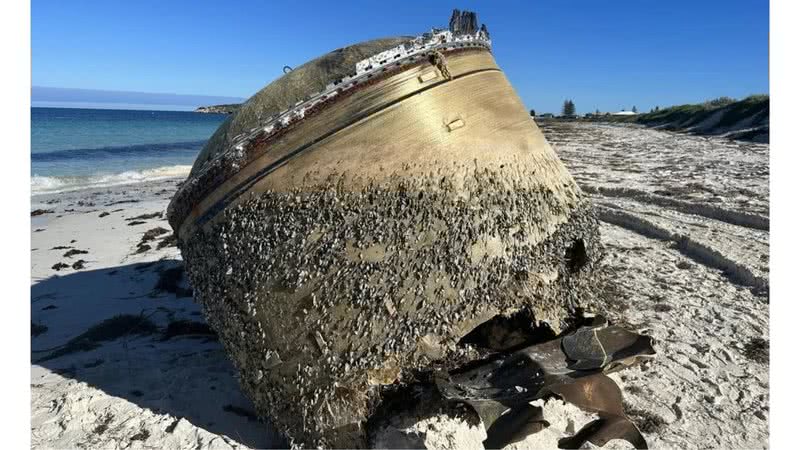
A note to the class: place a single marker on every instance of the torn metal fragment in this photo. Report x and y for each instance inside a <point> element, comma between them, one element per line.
<point>598,393</point>
<point>596,347</point>
<point>514,426</point>
<point>500,390</point>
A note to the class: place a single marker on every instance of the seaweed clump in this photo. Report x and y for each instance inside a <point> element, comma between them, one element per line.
<point>169,280</point>
<point>757,350</point>
<point>108,330</point>
<point>188,328</point>
<point>37,329</point>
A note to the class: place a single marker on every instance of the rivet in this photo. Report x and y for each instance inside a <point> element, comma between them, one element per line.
<point>428,76</point>
<point>456,124</point>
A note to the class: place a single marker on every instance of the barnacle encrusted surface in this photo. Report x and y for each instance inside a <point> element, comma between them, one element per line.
<point>323,294</point>
<point>355,238</point>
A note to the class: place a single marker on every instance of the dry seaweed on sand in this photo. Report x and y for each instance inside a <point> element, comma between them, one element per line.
<point>37,329</point>
<point>119,202</point>
<point>646,421</point>
<point>153,233</point>
<point>103,425</point>
<point>108,330</point>
<point>239,411</point>
<point>136,222</point>
<point>59,265</point>
<point>169,241</point>
<point>79,264</point>
<point>142,435</point>
<point>39,212</point>
<point>74,252</point>
<point>94,364</point>
<point>757,350</point>
<point>169,280</point>
<point>158,214</point>
<point>149,235</point>
<point>187,328</point>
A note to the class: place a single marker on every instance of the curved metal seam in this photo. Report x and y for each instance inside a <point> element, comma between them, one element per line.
<point>253,179</point>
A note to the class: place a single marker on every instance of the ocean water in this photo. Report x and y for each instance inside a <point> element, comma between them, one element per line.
<point>77,148</point>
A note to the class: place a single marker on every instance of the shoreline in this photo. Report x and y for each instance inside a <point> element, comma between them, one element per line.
<point>79,193</point>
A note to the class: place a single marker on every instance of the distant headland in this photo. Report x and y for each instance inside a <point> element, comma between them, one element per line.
<point>45,96</point>
<point>219,109</point>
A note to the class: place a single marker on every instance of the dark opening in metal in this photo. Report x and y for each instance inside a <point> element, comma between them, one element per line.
<point>502,333</point>
<point>576,255</point>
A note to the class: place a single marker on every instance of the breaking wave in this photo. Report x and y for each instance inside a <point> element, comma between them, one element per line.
<point>52,185</point>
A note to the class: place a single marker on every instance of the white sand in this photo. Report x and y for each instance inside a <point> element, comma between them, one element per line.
<point>175,391</point>
<point>699,289</point>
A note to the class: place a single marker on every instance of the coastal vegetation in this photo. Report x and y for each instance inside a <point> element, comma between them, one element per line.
<point>568,110</point>
<point>745,119</point>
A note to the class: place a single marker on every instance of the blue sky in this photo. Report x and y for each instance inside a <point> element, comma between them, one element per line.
<point>605,55</point>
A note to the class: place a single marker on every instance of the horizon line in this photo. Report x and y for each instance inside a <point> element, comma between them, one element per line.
<point>108,99</point>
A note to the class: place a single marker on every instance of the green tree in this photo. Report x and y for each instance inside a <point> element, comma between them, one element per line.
<point>568,109</point>
<point>533,113</point>
<point>634,109</point>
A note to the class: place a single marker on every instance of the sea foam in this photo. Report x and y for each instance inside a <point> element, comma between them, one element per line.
<point>52,185</point>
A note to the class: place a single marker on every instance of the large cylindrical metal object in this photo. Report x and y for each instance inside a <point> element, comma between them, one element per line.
<point>366,238</point>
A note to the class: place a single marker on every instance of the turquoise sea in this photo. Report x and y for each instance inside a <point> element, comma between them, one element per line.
<point>76,148</point>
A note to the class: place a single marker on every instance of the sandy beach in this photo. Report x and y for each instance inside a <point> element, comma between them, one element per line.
<point>685,223</point>
<point>138,390</point>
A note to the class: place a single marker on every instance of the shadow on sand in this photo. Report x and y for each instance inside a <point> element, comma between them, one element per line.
<point>184,374</point>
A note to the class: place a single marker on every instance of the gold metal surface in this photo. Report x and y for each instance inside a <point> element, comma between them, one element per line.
<point>399,127</point>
